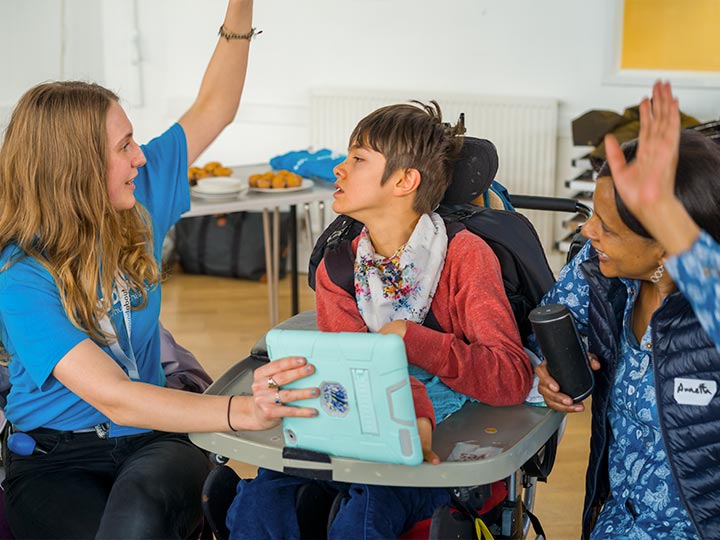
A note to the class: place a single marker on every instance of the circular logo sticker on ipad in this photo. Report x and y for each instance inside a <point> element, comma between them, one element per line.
<point>334,399</point>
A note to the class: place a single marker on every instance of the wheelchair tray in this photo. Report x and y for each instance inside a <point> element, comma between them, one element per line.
<point>493,441</point>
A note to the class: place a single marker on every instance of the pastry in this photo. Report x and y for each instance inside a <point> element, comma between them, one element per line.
<point>211,166</point>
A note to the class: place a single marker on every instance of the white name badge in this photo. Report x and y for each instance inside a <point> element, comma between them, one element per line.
<point>694,391</point>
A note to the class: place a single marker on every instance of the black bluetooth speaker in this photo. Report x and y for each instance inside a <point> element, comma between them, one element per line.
<point>563,350</point>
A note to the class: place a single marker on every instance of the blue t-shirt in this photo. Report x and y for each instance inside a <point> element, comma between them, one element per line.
<point>37,333</point>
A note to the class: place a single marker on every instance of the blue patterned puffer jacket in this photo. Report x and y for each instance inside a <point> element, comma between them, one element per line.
<point>681,349</point>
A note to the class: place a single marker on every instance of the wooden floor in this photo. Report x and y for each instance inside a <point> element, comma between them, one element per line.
<point>219,319</point>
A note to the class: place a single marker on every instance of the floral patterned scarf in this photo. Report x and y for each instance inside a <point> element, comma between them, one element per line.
<point>402,286</point>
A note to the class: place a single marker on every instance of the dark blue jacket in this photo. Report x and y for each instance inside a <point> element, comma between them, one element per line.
<point>691,434</point>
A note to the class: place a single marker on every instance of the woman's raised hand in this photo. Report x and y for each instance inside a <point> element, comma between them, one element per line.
<point>649,180</point>
<point>647,185</point>
<point>270,399</point>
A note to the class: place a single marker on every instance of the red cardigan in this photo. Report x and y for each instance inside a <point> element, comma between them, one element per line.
<point>479,354</point>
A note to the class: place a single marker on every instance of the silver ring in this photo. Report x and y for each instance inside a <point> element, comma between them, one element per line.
<point>271,383</point>
<point>278,401</point>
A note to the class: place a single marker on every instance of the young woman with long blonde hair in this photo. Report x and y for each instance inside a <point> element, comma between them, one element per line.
<point>83,212</point>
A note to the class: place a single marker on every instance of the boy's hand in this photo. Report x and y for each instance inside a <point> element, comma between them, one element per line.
<point>394,327</point>
<point>425,430</point>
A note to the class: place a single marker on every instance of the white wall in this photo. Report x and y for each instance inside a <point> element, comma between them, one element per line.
<point>554,48</point>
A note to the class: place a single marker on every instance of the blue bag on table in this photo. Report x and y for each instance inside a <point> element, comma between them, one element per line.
<point>314,165</point>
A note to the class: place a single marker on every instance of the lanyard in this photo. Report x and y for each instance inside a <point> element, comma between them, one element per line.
<point>128,361</point>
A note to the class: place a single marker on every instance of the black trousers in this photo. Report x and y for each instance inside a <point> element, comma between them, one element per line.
<point>145,486</point>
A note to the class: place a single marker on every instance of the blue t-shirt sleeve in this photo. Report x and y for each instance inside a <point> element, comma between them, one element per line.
<point>162,183</point>
<point>35,326</point>
<point>696,273</point>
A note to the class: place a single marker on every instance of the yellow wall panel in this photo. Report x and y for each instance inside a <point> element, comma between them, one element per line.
<point>682,35</point>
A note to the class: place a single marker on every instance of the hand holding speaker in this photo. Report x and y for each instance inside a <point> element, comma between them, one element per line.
<point>566,375</point>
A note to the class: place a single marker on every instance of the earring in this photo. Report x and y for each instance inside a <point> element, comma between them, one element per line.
<point>658,274</point>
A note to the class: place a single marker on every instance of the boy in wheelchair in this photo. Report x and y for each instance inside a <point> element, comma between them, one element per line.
<point>438,287</point>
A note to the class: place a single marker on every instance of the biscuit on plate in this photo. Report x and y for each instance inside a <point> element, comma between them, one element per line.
<point>293,181</point>
<point>212,165</point>
<point>278,182</point>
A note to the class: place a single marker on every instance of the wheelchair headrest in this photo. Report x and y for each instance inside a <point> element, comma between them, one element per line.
<point>474,171</point>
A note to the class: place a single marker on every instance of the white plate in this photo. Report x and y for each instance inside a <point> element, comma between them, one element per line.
<point>306,184</point>
<point>218,196</point>
<point>219,185</point>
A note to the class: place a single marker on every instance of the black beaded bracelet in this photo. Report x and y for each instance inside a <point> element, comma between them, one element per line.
<point>228,412</point>
<point>232,35</point>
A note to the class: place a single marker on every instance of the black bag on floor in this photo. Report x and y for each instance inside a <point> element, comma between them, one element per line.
<point>229,245</point>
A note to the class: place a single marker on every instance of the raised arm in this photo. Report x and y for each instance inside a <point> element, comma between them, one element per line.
<point>647,184</point>
<point>647,187</point>
<point>222,85</point>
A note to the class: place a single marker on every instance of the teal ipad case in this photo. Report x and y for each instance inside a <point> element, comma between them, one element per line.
<point>365,406</point>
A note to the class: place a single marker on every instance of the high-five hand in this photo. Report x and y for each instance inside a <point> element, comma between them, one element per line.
<point>650,178</point>
<point>646,185</point>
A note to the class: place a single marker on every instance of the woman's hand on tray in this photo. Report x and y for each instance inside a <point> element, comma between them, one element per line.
<point>270,401</point>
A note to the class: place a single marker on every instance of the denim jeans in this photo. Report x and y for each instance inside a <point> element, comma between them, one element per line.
<point>264,508</point>
<point>139,486</point>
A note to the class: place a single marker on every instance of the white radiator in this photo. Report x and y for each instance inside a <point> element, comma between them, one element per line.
<point>524,131</point>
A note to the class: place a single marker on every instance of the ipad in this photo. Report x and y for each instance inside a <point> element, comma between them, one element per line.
<point>365,406</point>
